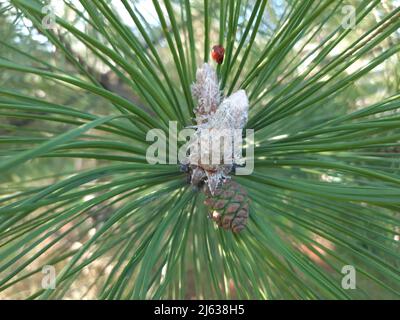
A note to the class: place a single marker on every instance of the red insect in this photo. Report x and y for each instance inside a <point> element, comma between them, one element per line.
<point>217,54</point>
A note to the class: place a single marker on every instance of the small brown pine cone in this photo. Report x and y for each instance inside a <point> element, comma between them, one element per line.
<point>229,206</point>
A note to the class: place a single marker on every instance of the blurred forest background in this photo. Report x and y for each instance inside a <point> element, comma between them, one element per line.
<point>22,42</point>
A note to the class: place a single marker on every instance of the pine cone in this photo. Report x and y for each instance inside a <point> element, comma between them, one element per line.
<point>229,206</point>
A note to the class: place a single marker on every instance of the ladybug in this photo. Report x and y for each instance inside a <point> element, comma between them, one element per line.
<point>217,53</point>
